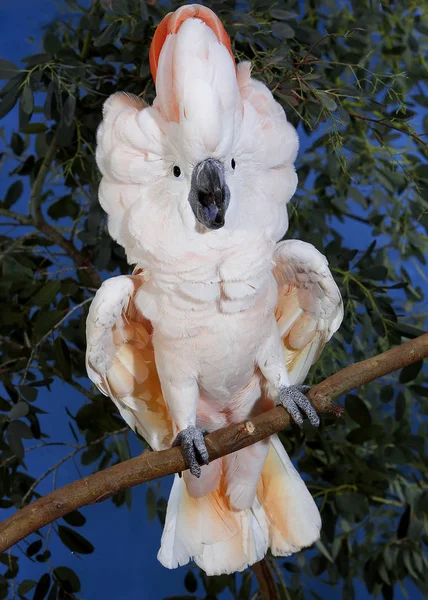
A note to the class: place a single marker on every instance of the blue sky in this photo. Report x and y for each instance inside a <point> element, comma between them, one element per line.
<point>124,564</point>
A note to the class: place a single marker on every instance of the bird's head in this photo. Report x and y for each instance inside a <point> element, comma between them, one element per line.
<point>211,160</point>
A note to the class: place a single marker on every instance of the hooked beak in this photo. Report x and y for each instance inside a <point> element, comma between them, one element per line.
<point>209,195</point>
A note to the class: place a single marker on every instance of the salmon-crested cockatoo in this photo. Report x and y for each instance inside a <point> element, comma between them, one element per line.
<point>218,322</point>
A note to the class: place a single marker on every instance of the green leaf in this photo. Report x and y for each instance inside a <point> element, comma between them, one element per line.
<point>27,100</point>
<point>34,128</point>
<point>67,578</point>
<point>13,194</point>
<point>327,101</point>
<point>109,35</point>
<point>408,331</point>
<point>364,434</point>
<point>318,565</point>
<point>74,541</point>
<point>33,548</point>
<point>190,582</point>
<point>357,410</point>
<point>51,43</point>
<point>352,506</point>
<point>92,454</point>
<point>17,144</point>
<point>386,393</point>
<point>346,119</point>
<point>421,504</point>
<point>377,272</point>
<point>282,15</point>
<point>144,14</point>
<point>18,411</point>
<point>7,69</point>
<point>44,557</point>
<point>64,207</point>
<point>120,7</point>
<point>36,59</point>
<point>69,108</point>
<point>28,392</point>
<point>8,102</point>
<point>47,293</point>
<point>245,591</point>
<point>215,584</point>
<point>63,358</point>
<point>410,372</point>
<point>21,429</point>
<point>42,587</point>
<point>15,443</point>
<point>75,518</point>
<point>403,525</point>
<point>400,406</point>
<point>324,551</point>
<point>282,30</point>
<point>26,586</point>
<point>45,323</point>
<point>4,404</point>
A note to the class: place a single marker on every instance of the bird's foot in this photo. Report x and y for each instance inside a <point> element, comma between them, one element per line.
<point>192,442</point>
<point>293,398</point>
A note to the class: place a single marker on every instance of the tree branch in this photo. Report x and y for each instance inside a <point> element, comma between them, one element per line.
<point>152,465</point>
<point>381,122</point>
<point>10,214</point>
<point>264,575</point>
<point>38,221</point>
<point>42,225</point>
<point>37,188</point>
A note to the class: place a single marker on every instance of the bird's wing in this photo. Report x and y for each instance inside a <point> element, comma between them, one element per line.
<point>120,359</point>
<point>309,309</point>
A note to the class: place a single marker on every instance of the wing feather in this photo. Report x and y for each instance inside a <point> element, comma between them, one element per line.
<point>120,359</point>
<point>309,309</point>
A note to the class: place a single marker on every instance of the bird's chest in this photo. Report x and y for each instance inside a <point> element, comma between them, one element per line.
<point>215,316</point>
<point>201,291</point>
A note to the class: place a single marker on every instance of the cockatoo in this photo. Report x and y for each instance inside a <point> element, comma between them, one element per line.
<point>218,322</point>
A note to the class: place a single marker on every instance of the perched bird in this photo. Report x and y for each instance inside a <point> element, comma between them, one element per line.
<point>218,322</point>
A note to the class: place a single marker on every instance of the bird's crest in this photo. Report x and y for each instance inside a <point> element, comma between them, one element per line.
<point>172,23</point>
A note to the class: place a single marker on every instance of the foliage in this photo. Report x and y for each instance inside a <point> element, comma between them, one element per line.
<point>353,77</point>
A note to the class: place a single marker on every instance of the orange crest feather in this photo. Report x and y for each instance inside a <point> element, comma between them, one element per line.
<point>172,23</point>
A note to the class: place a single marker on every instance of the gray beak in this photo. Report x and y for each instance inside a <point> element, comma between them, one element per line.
<point>209,195</point>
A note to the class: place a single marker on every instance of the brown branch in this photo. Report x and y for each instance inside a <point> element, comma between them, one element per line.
<point>38,221</point>
<point>267,585</point>
<point>381,122</point>
<point>152,465</point>
<point>42,225</point>
<point>58,239</point>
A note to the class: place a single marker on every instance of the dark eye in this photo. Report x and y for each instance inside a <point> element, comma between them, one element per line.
<point>233,163</point>
<point>177,171</point>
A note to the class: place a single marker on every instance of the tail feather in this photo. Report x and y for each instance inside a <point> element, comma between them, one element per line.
<point>222,539</point>
<point>293,516</point>
<point>194,523</point>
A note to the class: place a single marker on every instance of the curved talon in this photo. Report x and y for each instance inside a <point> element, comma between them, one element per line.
<point>293,398</point>
<point>192,442</point>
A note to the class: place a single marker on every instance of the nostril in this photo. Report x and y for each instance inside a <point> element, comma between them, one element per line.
<point>218,196</point>
<point>204,199</point>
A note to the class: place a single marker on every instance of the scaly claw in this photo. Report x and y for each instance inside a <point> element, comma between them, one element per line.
<point>293,398</point>
<point>192,441</point>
